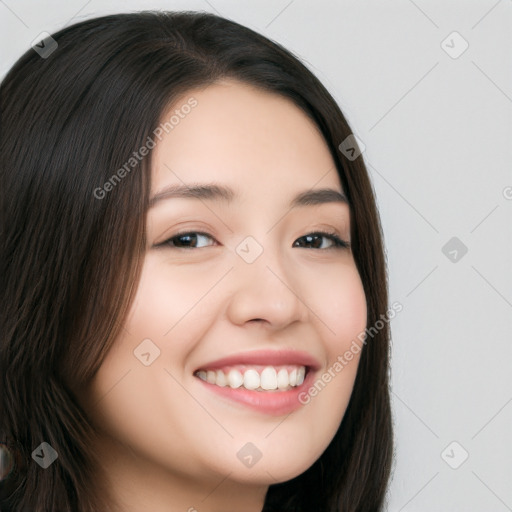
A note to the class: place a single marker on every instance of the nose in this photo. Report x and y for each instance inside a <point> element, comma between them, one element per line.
<point>265,291</point>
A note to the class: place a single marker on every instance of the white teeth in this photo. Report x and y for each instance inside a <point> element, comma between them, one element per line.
<point>235,379</point>
<point>221,379</point>
<point>270,378</point>
<point>282,379</point>
<point>300,375</point>
<point>251,379</point>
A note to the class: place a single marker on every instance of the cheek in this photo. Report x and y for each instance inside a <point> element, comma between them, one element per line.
<point>345,313</point>
<point>170,305</point>
<point>340,304</point>
<point>162,321</point>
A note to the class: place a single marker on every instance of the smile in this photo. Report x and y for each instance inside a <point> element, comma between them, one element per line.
<point>267,381</point>
<point>257,378</point>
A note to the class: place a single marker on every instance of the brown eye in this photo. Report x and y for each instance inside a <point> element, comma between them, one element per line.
<point>316,241</point>
<point>189,240</point>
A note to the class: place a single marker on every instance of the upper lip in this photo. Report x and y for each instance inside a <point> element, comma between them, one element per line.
<point>264,357</point>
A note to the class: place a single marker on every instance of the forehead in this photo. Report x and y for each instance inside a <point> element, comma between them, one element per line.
<point>252,140</point>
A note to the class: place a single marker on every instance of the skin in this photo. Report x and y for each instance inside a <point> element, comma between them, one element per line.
<point>167,442</point>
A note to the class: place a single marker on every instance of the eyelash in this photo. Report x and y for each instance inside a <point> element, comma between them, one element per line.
<point>338,242</point>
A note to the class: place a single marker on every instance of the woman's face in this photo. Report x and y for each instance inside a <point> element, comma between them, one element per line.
<point>234,287</point>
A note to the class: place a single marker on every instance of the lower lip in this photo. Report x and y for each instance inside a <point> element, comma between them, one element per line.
<point>276,403</point>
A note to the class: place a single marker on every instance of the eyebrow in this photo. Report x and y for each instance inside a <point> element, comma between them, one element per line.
<point>215,192</point>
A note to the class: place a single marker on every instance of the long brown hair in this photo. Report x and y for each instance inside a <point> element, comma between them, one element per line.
<point>71,261</point>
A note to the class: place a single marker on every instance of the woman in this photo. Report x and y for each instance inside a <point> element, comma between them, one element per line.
<point>192,267</point>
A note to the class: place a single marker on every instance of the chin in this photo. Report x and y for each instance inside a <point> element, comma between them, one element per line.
<point>271,469</point>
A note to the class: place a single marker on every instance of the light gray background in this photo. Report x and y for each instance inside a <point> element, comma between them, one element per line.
<point>438,137</point>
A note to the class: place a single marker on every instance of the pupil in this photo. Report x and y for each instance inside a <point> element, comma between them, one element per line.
<point>316,243</point>
<point>189,240</point>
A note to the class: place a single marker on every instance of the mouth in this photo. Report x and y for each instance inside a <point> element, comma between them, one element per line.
<point>256,378</point>
<point>270,382</point>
